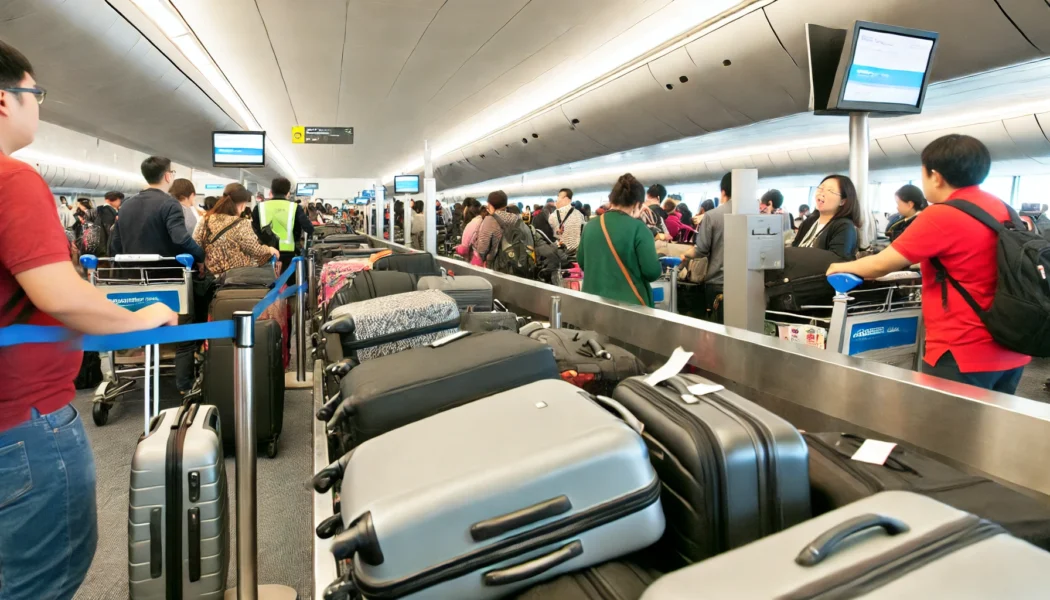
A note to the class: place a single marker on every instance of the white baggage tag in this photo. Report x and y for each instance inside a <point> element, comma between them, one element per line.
<point>874,452</point>
<point>673,366</point>
<point>703,389</point>
<point>690,399</point>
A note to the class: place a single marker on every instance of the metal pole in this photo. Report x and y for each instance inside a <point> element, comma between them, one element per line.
<point>310,277</point>
<point>156,379</point>
<point>429,201</point>
<point>859,148</point>
<point>145,404</point>
<point>244,433</point>
<point>300,324</point>
<point>379,200</point>
<point>555,316</point>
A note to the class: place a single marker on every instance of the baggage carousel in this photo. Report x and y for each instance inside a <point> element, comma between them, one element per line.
<point>1000,436</point>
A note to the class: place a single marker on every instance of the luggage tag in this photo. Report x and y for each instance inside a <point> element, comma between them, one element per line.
<point>673,366</point>
<point>874,452</point>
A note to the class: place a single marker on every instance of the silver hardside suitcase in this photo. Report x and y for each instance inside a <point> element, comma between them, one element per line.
<point>893,545</point>
<point>496,495</point>
<point>469,291</point>
<point>178,534</point>
<point>381,326</point>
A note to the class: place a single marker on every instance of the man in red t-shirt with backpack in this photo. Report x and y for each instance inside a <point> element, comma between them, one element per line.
<point>958,344</point>
<point>48,529</point>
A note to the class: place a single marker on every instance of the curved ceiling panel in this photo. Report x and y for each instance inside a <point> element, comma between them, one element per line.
<point>689,103</point>
<point>1029,138</point>
<point>1032,17</point>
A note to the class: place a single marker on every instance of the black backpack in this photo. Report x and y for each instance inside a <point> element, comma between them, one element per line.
<point>515,254</point>
<point>1019,317</point>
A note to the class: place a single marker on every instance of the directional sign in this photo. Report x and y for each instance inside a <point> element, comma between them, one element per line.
<point>213,186</point>
<point>368,194</point>
<point>322,135</point>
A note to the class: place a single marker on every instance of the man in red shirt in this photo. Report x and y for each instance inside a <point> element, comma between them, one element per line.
<point>48,529</point>
<point>958,346</point>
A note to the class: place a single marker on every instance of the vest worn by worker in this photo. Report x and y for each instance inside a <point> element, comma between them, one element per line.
<point>280,216</point>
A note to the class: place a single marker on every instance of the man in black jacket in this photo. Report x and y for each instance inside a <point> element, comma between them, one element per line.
<point>152,222</point>
<point>106,215</point>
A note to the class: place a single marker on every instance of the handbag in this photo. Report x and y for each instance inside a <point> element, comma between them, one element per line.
<point>619,262</point>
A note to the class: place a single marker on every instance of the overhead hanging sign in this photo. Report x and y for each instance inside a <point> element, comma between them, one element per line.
<point>322,135</point>
<point>368,194</point>
<point>213,186</point>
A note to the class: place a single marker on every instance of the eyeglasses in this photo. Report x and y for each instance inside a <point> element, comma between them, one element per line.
<point>38,91</point>
<point>827,191</point>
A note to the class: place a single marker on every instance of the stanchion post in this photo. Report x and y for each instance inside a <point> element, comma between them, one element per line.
<point>555,317</point>
<point>300,323</point>
<point>244,433</point>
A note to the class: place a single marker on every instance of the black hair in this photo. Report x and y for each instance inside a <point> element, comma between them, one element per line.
<point>209,202</point>
<point>471,209</point>
<point>498,199</point>
<point>803,208</point>
<point>913,195</point>
<point>112,196</point>
<point>550,200</point>
<point>513,209</point>
<point>14,66</point>
<point>577,205</point>
<point>280,186</point>
<point>154,168</point>
<point>586,210</point>
<point>962,160</point>
<point>773,197</point>
<point>657,191</point>
<point>727,184</point>
<point>850,207</point>
<point>418,206</point>
<point>627,192</point>
<point>566,191</point>
<point>707,205</point>
<point>682,209</point>
<point>232,195</point>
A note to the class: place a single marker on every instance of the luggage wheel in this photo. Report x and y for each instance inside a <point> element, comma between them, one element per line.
<point>100,412</point>
<point>271,448</point>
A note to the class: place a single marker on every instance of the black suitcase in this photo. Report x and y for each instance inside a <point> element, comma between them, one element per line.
<point>802,281</point>
<point>367,285</point>
<point>268,389</point>
<point>232,299</point>
<point>732,471</point>
<point>90,374</point>
<point>598,364</point>
<point>395,390</point>
<point>420,264</point>
<point>837,480</point>
<point>616,580</point>
<point>345,238</point>
<point>479,322</point>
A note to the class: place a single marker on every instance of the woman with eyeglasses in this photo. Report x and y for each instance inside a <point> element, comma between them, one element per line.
<point>833,225</point>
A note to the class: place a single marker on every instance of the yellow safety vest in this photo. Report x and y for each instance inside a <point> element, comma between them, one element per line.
<point>280,216</point>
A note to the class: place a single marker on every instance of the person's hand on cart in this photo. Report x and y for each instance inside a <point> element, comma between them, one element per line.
<point>157,315</point>
<point>841,267</point>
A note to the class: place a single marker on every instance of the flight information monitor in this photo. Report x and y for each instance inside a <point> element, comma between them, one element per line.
<point>238,148</point>
<point>406,184</point>
<point>884,69</point>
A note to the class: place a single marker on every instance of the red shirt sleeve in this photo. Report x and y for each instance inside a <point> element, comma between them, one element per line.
<point>930,235</point>
<point>31,235</point>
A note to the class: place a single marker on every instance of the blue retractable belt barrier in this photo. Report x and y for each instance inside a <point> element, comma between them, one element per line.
<point>275,293</point>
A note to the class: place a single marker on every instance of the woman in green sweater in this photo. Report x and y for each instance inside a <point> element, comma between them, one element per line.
<point>626,279</point>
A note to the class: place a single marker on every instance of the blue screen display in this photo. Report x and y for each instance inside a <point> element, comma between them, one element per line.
<point>888,68</point>
<point>406,184</point>
<point>238,148</point>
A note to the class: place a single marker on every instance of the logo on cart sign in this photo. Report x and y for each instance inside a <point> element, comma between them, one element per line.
<point>136,300</point>
<point>891,333</point>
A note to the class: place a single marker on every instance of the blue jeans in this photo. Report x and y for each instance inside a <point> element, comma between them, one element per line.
<point>48,527</point>
<point>998,381</point>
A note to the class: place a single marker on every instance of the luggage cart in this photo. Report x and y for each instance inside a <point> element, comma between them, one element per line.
<point>665,289</point>
<point>131,281</point>
<point>570,279</point>
<point>881,322</point>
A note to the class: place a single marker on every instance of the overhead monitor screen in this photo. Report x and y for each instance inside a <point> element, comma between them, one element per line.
<point>888,68</point>
<point>305,189</point>
<point>406,184</point>
<point>238,148</point>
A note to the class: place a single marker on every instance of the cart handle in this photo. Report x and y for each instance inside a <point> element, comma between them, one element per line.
<point>90,261</point>
<point>844,282</point>
<point>670,261</point>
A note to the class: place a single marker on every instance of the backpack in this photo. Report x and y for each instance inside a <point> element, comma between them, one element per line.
<point>91,239</point>
<point>515,254</point>
<point>1019,317</point>
<point>268,238</point>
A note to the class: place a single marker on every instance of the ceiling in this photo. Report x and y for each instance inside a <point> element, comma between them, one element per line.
<point>105,79</point>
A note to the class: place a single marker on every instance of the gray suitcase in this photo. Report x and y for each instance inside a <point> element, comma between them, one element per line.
<point>891,546</point>
<point>469,291</point>
<point>494,496</point>
<point>382,326</point>
<point>178,541</point>
<point>733,472</point>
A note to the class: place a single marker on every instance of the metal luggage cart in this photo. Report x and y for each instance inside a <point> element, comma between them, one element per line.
<point>882,323</point>
<point>570,279</point>
<point>135,281</point>
<point>665,289</point>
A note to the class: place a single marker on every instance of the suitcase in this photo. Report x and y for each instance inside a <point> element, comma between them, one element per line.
<point>382,326</point>
<point>615,580</point>
<point>229,300</point>
<point>469,291</point>
<point>420,264</point>
<point>733,472</point>
<point>479,322</point>
<point>248,277</point>
<point>891,546</point>
<point>836,480</point>
<point>507,491</point>
<point>802,281</point>
<point>581,358</point>
<point>367,285</point>
<point>178,529</point>
<point>386,393</point>
<point>336,274</point>
<point>346,238</point>
<point>323,231</point>
<point>268,377</point>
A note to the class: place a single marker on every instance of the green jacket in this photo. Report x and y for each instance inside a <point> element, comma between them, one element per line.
<point>634,244</point>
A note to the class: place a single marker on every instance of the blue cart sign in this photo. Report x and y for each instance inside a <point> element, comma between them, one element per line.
<point>134,301</point>
<point>879,335</point>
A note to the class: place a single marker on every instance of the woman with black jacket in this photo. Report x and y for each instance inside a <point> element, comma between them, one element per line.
<point>833,225</point>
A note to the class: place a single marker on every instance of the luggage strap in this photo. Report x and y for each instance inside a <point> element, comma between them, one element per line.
<point>619,262</point>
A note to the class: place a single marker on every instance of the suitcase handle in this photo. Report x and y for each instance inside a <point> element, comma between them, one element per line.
<point>340,589</point>
<point>329,527</point>
<point>340,325</point>
<point>621,410</point>
<point>326,478</point>
<point>497,526</point>
<point>828,542</point>
<point>327,411</point>
<point>534,567</point>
